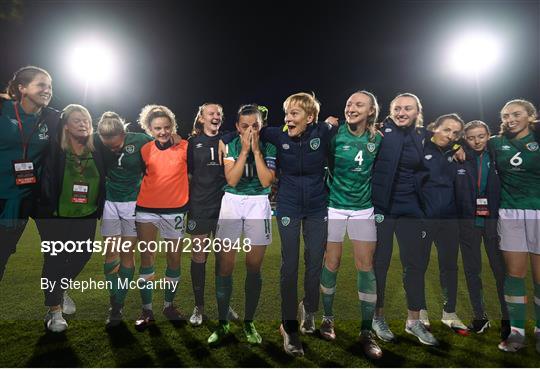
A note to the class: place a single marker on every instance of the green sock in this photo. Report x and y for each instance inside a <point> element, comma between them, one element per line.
<point>223,296</point>
<point>537,303</point>
<point>147,274</point>
<point>516,300</point>
<point>171,275</point>
<point>252,289</point>
<point>367,293</point>
<point>125,275</point>
<point>111,275</point>
<point>328,289</point>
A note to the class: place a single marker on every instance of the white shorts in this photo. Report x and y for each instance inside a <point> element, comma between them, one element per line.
<point>519,230</point>
<point>247,215</point>
<point>171,226</point>
<point>359,225</point>
<point>118,219</point>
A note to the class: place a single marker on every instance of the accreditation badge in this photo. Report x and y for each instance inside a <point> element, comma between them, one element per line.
<point>482,209</point>
<point>80,193</point>
<point>24,172</point>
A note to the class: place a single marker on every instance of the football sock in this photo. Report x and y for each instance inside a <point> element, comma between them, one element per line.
<point>516,300</point>
<point>537,304</point>
<point>198,273</point>
<point>367,293</point>
<point>252,289</point>
<point>110,270</point>
<point>328,290</point>
<point>172,276</point>
<point>125,275</point>
<point>148,274</point>
<point>223,295</point>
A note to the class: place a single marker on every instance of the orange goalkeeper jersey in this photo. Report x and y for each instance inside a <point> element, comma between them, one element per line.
<point>165,185</point>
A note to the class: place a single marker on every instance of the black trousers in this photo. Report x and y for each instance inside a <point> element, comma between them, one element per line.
<point>444,233</point>
<point>314,230</point>
<point>471,238</point>
<point>412,252</point>
<point>10,236</point>
<point>65,264</point>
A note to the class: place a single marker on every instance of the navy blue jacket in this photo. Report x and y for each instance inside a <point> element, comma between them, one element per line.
<point>301,165</point>
<point>386,164</point>
<point>438,184</point>
<point>467,187</point>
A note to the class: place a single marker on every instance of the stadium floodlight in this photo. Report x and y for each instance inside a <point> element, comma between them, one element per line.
<point>474,53</point>
<point>92,62</point>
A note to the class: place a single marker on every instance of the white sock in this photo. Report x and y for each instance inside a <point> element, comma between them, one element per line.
<point>166,304</point>
<point>410,322</point>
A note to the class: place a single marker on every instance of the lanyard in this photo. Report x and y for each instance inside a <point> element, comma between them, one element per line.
<point>480,171</point>
<point>26,142</point>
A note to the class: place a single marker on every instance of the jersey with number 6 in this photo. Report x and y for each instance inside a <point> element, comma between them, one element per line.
<point>125,169</point>
<point>249,183</point>
<point>518,163</point>
<point>351,161</point>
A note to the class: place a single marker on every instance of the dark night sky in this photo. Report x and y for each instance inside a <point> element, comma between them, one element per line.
<point>182,54</point>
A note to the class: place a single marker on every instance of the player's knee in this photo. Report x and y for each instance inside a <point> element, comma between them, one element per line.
<point>199,258</point>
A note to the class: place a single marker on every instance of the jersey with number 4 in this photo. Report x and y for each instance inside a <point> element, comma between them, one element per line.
<point>518,163</point>
<point>125,169</point>
<point>249,183</point>
<point>351,162</point>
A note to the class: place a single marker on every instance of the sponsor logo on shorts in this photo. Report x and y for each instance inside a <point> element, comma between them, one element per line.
<point>370,146</point>
<point>315,143</point>
<point>532,146</point>
<point>191,224</point>
<point>285,146</point>
<point>379,218</point>
<point>285,221</point>
<point>130,149</point>
<point>428,156</point>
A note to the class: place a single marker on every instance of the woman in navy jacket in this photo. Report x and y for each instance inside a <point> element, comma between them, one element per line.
<point>395,195</point>
<point>438,197</point>
<point>478,197</point>
<point>302,149</point>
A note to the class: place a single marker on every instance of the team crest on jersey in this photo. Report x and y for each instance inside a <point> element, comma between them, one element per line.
<point>285,146</point>
<point>191,224</point>
<point>285,221</point>
<point>505,147</point>
<point>371,146</point>
<point>532,146</point>
<point>379,218</point>
<point>450,159</point>
<point>130,149</point>
<point>428,156</point>
<point>315,143</point>
<point>43,130</point>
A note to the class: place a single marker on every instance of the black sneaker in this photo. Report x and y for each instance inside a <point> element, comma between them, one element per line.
<point>479,325</point>
<point>115,316</point>
<point>291,342</point>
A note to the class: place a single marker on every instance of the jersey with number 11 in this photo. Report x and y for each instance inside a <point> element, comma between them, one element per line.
<point>518,163</point>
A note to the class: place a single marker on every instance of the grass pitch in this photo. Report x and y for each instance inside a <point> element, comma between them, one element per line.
<point>24,341</point>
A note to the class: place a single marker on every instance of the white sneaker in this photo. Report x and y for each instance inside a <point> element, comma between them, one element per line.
<point>424,319</point>
<point>55,322</point>
<point>68,305</point>
<point>452,321</point>
<point>196,318</point>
